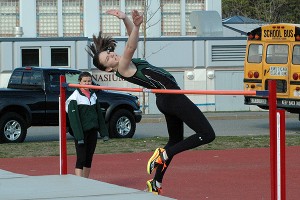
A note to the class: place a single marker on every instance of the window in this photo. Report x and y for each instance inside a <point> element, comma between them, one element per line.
<point>47,22</point>
<point>30,57</point>
<point>54,82</point>
<point>71,78</point>
<point>60,57</point>
<point>255,53</point>
<point>32,78</point>
<point>26,78</point>
<point>36,78</point>
<point>170,17</point>
<point>296,55</point>
<point>72,17</point>
<point>16,78</point>
<point>9,17</point>
<point>190,6</point>
<point>277,54</point>
<point>108,24</point>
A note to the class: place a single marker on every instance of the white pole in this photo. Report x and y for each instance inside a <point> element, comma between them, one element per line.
<point>278,158</point>
<point>60,153</point>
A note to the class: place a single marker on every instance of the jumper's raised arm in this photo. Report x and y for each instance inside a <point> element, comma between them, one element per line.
<point>132,42</point>
<point>134,36</point>
<point>121,15</point>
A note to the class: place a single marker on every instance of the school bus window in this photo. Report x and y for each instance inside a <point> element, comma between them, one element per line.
<point>296,55</point>
<point>254,53</point>
<point>277,54</point>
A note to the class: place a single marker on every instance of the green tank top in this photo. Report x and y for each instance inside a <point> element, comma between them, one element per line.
<point>149,76</point>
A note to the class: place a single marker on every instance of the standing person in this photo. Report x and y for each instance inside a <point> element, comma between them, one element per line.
<point>86,120</point>
<point>177,109</point>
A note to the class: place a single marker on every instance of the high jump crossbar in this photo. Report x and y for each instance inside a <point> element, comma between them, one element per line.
<point>276,121</point>
<point>172,91</point>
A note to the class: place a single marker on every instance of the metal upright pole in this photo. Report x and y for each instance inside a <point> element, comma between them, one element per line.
<point>62,127</point>
<point>273,129</point>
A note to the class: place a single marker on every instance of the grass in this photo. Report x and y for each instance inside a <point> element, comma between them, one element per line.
<point>38,149</point>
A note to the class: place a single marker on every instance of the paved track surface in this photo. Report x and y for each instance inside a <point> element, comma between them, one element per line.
<point>193,175</point>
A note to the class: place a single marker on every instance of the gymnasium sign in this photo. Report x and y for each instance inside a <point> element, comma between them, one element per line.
<point>106,77</point>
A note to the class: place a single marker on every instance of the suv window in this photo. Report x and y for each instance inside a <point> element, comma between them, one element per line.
<point>26,78</point>
<point>71,78</point>
<point>36,78</point>
<point>16,78</point>
<point>54,80</point>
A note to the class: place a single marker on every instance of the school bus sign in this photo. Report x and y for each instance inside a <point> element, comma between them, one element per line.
<point>278,32</point>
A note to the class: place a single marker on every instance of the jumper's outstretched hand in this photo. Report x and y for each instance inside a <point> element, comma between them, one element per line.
<point>137,18</point>
<point>119,14</point>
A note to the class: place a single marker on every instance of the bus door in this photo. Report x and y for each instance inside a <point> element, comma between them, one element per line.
<point>276,67</point>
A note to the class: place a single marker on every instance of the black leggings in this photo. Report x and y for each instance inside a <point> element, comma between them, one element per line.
<point>179,109</point>
<point>86,151</point>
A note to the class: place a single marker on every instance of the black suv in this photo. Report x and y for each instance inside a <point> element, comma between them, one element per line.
<point>32,99</point>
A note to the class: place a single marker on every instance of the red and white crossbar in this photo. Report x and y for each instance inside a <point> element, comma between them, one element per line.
<point>163,91</point>
<point>277,146</point>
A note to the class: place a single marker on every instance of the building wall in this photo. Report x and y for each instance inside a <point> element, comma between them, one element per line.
<point>11,48</point>
<point>196,59</point>
<point>27,18</point>
<point>91,16</point>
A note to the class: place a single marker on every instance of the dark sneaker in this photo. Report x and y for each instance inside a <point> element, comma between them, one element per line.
<point>155,160</point>
<point>151,187</point>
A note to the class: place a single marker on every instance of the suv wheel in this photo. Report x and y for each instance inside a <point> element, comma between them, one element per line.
<point>12,128</point>
<point>122,124</point>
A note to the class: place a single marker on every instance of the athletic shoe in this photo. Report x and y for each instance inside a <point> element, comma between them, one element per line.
<point>155,160</point>
<point>151,187</point>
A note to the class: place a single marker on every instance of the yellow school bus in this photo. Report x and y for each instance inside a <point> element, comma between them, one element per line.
<point>273,53</point>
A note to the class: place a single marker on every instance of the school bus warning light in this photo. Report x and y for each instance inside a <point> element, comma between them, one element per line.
<point>295,76</point>
<point>252,74</point>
